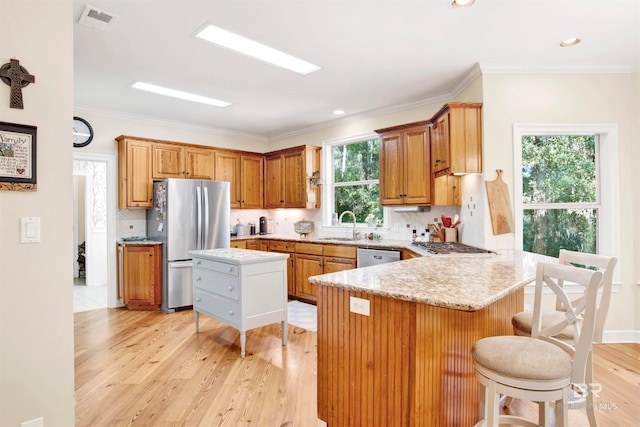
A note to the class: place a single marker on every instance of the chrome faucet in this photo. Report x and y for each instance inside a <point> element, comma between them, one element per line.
<point>354,221</point>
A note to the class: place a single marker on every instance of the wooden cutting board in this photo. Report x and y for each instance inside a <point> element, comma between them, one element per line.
<point>499,205</point>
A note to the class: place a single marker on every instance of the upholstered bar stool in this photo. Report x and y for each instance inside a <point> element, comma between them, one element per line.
<point>539,367</point>
<point>522,321</point>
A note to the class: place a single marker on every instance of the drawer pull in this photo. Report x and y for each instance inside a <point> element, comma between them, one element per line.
<point>229,269</point>
<point>198,299</point>
<point>198,279</point>
<point>230,312</point>
<point>230,288</point>
<point>198,262</point>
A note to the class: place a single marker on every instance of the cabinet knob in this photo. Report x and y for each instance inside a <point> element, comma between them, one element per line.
<point>438,161</point>
<point>198,299</point>
<point>230,288</point>
<point>198,279</point>
<point>230,312</point>
<point>229,269</point>
<point>198,262</point>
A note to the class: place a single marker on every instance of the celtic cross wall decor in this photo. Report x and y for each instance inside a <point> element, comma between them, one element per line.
<point>16,76</point>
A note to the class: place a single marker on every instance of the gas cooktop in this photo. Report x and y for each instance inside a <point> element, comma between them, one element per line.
<point>441,248</point>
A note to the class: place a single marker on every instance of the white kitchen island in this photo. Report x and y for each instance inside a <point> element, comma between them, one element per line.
<point>243,288</point>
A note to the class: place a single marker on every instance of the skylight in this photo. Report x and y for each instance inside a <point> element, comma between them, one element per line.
<point>254,49</point>
<point>179,94</point>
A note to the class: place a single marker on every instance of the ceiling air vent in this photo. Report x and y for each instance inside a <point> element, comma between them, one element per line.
<point>97,18</point>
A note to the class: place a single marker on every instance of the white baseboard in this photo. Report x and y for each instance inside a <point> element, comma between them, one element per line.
<point>628,336</point>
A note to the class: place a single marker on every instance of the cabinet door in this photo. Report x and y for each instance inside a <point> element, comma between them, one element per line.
<point>440,143</point>
<point>168,161</point>
<point>139,184</point>
<point>227,168</point>
<point>307,266</point>
<point>417,173</point>
<point>331,265</point>
<point>391,169</point>
<point>446,191</point>
<point>251,182</point>
<point>199,163</point>
<point>273,182</point>
<point>141,276</point>
<point>294,181</point>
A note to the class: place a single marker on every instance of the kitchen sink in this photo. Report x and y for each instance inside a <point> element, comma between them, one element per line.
<point>342,239</point>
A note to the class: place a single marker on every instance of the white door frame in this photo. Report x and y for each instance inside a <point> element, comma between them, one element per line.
<point>110,160</point>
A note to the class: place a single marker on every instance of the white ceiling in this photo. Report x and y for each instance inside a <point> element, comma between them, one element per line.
<point>375,55</point>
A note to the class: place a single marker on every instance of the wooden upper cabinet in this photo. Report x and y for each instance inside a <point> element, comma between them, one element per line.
<point>199,163</point>
<point>135,184</point>
<point>457,139</point>
<point>447,190</point>
<point>287,173</point>
<point>244,171</point>
<point>227,168</point>
<point>405,175</point>
<point>182,161</point>
<point>251,186</point>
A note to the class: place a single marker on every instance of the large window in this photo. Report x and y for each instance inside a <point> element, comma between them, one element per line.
<point>566,188</point>
<point>560,193</point>
<point>351,172</point>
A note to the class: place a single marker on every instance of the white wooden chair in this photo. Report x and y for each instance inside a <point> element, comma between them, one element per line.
<point>523,321</point>
<point>539,367</point>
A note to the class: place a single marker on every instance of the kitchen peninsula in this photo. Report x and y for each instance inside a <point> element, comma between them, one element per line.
<point>407,359</point>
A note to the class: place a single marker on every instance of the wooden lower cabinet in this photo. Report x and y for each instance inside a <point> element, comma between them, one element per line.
<point>240,244</point>
<point>313,259</point>
<point>140,276</point>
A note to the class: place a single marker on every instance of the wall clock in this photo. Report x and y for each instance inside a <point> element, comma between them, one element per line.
<point>82,132</point>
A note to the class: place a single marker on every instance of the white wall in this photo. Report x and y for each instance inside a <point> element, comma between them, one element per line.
<point>571,99</point>
<point>36,292</point>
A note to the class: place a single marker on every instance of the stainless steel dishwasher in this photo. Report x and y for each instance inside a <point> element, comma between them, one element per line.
<point>367,257</point>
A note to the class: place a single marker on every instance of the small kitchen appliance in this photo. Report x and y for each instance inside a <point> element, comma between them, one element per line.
<point>263,225</point>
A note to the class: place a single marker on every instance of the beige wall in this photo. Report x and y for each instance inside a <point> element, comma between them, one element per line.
<point>571,99</point>
<point>36,293</point>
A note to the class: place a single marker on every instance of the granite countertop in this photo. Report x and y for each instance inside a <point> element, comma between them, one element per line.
<point>238,256</point>
<point>467,283</point>
<point>138,241</point>
<point>382,244</point>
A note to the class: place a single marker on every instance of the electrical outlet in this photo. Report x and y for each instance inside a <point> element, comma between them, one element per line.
<point>359,306</point>
<point>527,307</point>
<point>38,422</point>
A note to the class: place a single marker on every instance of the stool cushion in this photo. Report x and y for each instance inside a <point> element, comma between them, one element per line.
<point>522,358</point>
<point>523,322</point>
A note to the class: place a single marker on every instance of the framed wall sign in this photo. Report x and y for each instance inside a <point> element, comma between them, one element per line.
<point>17,157</point>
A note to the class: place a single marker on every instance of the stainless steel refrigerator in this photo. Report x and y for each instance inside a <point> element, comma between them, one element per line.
<point>187,215</point>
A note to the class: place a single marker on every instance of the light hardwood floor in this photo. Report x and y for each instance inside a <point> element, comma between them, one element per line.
<point>137,368</point>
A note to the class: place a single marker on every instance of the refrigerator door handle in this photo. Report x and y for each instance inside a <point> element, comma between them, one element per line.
<point>206,218</point>
<point>199,218</point>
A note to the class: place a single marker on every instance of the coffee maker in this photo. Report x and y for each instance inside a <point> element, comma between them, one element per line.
<point>263,225</point>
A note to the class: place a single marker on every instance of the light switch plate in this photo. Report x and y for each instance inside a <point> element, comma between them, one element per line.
<point>359,306</point>
<point>30,229</point>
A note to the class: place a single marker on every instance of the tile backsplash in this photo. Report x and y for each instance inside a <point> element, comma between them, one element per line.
<point>131,222</point>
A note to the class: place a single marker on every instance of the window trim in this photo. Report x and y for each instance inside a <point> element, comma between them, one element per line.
<point>608,174</point>
<point>326,162</point>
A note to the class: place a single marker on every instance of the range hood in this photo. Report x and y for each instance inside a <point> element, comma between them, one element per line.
<point>412,209</point>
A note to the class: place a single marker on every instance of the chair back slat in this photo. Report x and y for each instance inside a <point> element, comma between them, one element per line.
<point>582,316</point>
<point>606,265</point>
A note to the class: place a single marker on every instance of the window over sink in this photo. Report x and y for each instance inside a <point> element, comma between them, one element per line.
<point>351,180</point>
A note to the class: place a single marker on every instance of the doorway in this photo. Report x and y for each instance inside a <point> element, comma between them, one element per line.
<point>94,231</point>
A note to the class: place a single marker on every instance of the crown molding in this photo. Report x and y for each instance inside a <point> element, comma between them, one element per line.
<point>574,69</point>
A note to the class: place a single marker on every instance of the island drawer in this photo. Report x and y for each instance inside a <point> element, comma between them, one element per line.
<point>215,306</point>
<point>218,266</point>
<point>225,285</point>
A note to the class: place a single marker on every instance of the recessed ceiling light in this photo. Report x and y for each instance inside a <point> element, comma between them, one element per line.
<point>179,94</point>
<point>254,49</point>
<point>570,42</point>
<point>338,112</point>
<point>462,3</point>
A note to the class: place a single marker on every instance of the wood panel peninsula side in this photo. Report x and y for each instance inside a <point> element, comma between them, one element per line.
<point>408,363</point>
